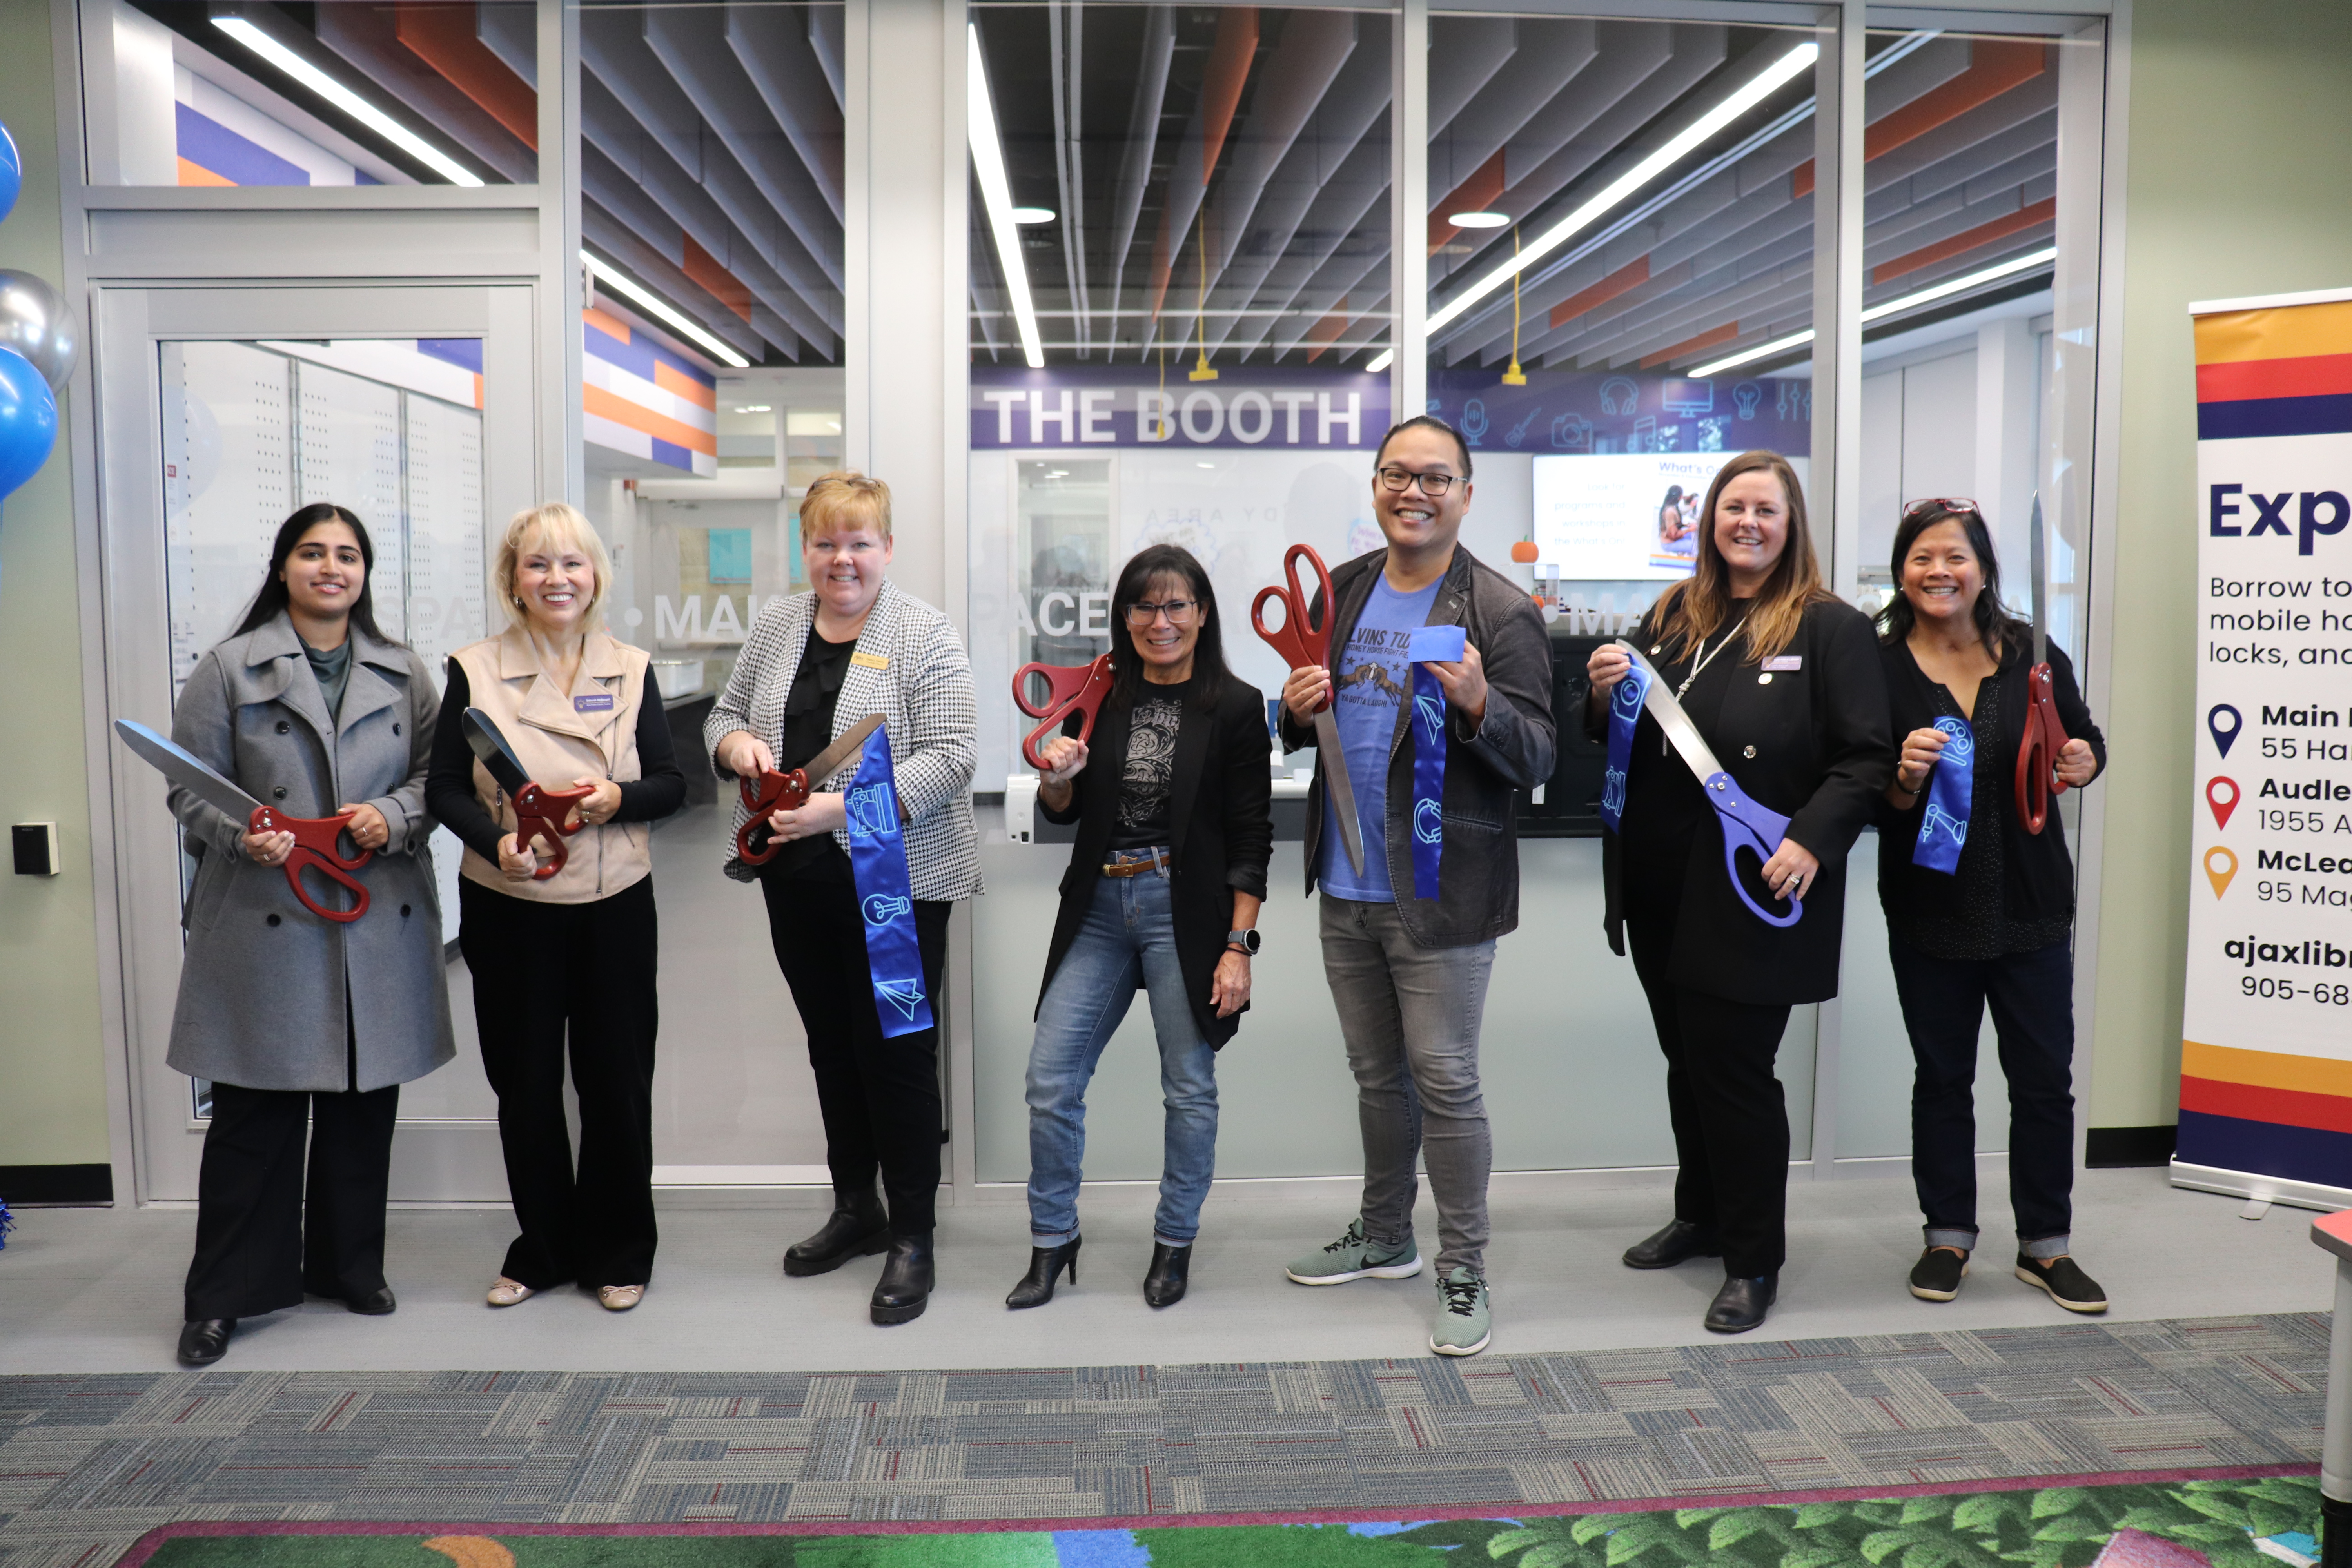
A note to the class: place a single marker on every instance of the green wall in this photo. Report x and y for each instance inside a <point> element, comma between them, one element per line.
<point>52,1064</point>
<point>2237,183</point>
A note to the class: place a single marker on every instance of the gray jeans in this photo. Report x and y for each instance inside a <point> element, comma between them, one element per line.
<point>1410,1016</point>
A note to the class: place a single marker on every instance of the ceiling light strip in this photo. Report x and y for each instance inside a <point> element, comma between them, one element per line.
<point>344,98</point>
<point>996,195</point>
<point>662,311</point>
<point>1894,306</point>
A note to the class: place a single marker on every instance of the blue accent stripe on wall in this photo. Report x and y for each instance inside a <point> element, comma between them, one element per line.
<point>671,452</point>
<point>466,353</point>
<point>2252,417</point>
<point>2266,1149</point>
<point>636,358</point>
<point>207,143</point>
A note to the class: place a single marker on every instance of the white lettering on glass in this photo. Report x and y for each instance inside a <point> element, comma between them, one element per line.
<point>1046,622</point>
<point>1093,415</point>
<point>1195,401</point>
<point>1040,416</point>
<point>1248,400</point>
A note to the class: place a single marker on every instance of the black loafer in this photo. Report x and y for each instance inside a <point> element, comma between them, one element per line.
<point>1740,1305</point>
<point>378,1302</point>
<point>1170,1272</point>
<point>1046,1264</point>
<point>204,1341</point>
<point>906,1285</point>
<point>2065,1279</point>
<point>854,1230</point>
<point>1679,1243</point>
<point>1937,1275</point>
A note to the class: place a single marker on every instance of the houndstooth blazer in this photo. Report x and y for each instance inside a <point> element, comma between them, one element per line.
<point>924,696</point>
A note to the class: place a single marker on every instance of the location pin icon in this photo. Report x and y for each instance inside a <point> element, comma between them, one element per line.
<point>2221,794</point>
<point>2220,867</point>
<point>2225,721</point>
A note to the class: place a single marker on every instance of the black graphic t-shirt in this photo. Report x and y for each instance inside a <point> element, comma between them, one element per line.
<point>1150,766</point>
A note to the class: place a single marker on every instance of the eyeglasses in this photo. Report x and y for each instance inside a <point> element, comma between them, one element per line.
<point>1432,485</point>
<point>1180,612</point>
<point>1944,504</point>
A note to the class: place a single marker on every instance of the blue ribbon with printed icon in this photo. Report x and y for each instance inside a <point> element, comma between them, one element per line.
<point>1624,717</point>
<point>1445,644</point>
<point>877,864</point>
<point>1951,791</point>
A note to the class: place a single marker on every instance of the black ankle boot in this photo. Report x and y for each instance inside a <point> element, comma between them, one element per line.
<point>1164,1285</point>
<point>906,1287</point>
<point>1036,1287</point>
<point>1679,1242</point>
<point>1741,1304</point>
<point>858,1228</point>
<point>204,1341</point>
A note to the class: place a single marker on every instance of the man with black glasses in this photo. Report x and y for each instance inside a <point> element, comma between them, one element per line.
<point>1440,727</point>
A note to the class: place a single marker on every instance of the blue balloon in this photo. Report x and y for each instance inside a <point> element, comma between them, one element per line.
<point>12,172</point>
<point>29,420</point>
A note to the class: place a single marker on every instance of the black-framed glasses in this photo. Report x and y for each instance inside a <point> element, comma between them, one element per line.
<point>1180,612</point>
<point>1944,504</point>
<point>1432,485</point>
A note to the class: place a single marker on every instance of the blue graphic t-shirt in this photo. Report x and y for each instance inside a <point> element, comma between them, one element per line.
<point>1373,677</point>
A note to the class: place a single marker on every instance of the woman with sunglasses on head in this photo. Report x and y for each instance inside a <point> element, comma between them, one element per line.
<point>1781,680</point>
<point>1979,908</point>
<point>814,666</point>
<point>1174,832</point>
<point>305,1026</point>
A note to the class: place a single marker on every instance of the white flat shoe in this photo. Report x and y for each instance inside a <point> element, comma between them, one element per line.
<point>505,1292</point>
<point>619,1297</point>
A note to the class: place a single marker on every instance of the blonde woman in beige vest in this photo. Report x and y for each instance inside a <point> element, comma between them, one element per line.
<point>575,953</point>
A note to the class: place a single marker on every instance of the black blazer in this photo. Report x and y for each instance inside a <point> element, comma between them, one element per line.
<point>1813,746</point>
<point>2037,875</point>
<point>1221,831</point>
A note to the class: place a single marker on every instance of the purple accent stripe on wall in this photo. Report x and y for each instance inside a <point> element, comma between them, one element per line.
<point>207,143</point>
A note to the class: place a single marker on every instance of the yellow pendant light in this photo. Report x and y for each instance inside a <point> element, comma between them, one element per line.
<point>1514,376</point>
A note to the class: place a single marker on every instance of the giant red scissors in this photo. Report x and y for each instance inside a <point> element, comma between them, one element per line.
<point>2045,737</point>
<point>1069,689</point>
<point>777,791</point>
<point>539,812</point>
<point>1306,644</point>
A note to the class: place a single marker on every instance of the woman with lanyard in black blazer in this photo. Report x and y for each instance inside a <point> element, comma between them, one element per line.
<point>1175,829</point>
<point>1979,908</point>
<point>1781,679</point>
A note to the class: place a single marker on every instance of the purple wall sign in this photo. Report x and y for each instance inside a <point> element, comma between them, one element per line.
<point>1113,406</point>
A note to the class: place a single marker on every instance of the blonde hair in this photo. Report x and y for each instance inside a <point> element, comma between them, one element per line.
<point>552,523</point>
<point>845,499</point>
<point>1690,611</point>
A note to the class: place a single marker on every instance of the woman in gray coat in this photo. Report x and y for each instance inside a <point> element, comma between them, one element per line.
<point>305,1026</point>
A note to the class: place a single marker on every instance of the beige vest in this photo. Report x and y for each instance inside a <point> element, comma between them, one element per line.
<point>559,736</point>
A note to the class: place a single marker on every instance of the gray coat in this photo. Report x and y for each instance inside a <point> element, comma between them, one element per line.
<point>265,984</point>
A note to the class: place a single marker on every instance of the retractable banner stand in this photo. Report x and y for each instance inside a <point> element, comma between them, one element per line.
<point>2266,1054</point>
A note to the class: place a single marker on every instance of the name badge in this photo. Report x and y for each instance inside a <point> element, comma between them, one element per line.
<point>865,660</point>
<point>1785,661</point>
<point>1441,643</point>
<point>594,702</point>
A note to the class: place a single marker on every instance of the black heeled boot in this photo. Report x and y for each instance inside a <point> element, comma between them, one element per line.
<point>1170,1272</point>
<point>1036,1287</point>
<point>857,1228</point>
<point>906,1285</point>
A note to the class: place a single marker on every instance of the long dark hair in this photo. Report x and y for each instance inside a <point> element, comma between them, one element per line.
<point>268,603</point>
<point>1208,650</point>
<point>1690,610</point>
<point>1995,625</point>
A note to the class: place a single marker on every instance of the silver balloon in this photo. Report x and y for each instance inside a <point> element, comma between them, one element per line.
<point>36,321</point>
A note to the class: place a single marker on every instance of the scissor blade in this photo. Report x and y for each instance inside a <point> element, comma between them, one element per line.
<point>2040,564</point>
<point>829,761</point>
<point>1343,788</point>
<point>1696,754</point>
<point>485,740</point>
<point>185,770</point>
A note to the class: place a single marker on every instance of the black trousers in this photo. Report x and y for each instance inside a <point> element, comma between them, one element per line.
<point>879,1097</point>
<point>265,1234</point>
<point>1730,1118</point>
<point>543,971</point>
<point>2033,1000</point>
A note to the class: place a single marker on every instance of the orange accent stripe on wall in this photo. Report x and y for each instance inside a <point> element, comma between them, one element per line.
<point>1967,239</point>
<point>1707,340</point>
<point>610,326</point>
<point>637,416</point>
<point>2285,1107</point>
<point>197,174</point>
<point>671,378</point>
<point>1633,275</point>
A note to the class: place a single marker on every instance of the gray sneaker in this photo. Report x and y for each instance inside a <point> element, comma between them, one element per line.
<point>1462,1325</point>
<point>1353,1257</point>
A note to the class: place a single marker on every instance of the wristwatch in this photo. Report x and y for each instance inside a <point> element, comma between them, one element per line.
<point>1246,941</point>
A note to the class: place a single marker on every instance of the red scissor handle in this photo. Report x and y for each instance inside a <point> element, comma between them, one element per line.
<point>1069,689</point>
<point>2037,753</point>
<point>540,813</point>
<point>316,848</point>
<point>775,792</point>
<point>1306,644</point>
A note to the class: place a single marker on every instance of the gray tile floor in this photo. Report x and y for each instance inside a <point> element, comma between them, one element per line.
<point>98,1290</point>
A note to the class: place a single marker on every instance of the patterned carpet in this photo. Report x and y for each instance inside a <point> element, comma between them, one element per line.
<point>89,1463</point>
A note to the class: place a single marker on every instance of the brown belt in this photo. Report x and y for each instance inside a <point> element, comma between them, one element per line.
<point>1135,867</point>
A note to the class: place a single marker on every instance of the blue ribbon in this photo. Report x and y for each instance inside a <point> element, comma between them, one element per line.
<point>1951,790</point>
<point>877,863</point>
<point>1625,715</point>
<point>1445,644</point>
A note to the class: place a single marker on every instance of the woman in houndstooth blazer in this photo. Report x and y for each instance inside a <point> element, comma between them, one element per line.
<point>814,665</point>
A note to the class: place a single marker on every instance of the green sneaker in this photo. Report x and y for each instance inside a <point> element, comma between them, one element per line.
<point>1463,1326</point>
<point>1353,1257</point>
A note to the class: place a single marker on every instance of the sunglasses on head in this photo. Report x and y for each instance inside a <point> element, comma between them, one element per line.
<point>1941,503</point>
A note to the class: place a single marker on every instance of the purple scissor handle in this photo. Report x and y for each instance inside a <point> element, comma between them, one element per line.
<point>1747,826</point>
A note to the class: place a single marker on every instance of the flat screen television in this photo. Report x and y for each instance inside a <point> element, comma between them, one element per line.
<point>1621,516</point>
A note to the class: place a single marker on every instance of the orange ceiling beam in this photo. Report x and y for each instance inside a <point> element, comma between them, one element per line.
<point>1328,330</point>
<point>1633,275</point>
<point>1995,66</point>
<point>1230,56</point>
<point>1708,340</point>
<point>1967,239</point>
<point>442,34</point>
<point>1476,194</point>
<point>723,285</point>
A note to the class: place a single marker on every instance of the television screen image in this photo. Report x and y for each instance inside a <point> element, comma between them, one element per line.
<point>1621,516</point>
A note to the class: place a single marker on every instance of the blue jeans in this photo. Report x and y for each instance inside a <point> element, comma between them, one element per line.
<point>1130,935</point>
